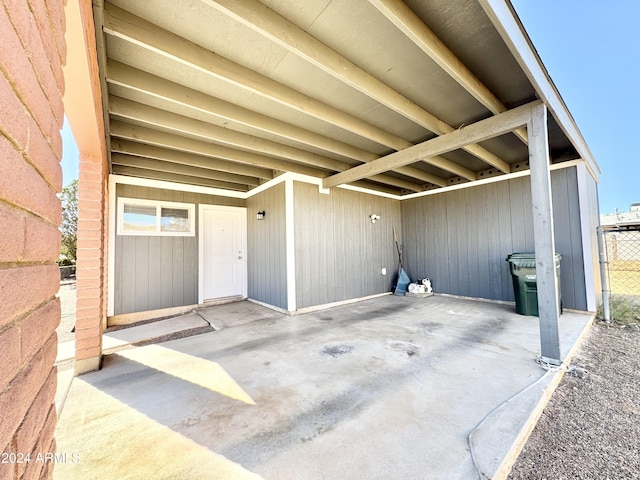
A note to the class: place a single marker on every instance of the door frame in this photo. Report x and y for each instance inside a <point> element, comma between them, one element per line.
<point>201,208</point>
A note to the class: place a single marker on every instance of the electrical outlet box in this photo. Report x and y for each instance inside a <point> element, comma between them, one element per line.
<point>383,271</point>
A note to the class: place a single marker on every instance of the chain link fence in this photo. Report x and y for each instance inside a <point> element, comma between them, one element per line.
<point>623,257</point>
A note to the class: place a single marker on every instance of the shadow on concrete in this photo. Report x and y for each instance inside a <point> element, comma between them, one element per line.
<point>396,384</point>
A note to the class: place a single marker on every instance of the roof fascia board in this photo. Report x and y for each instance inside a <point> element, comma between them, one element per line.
<point>499,178</point>
<point>510,28</point>
<point>126,180</point>
<point>84,95</point>
<point>181,187</point>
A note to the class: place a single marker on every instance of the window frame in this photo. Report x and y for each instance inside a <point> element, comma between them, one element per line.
<point>159,205</point>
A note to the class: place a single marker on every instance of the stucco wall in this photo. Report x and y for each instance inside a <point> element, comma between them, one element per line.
<point>31,116</point>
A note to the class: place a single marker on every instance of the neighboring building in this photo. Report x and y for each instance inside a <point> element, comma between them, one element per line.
<point>618,220</point>
<point>623,238</point>
<point>431,115</point>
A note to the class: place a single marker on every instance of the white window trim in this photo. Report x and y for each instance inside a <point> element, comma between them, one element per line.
<point>158,204</point>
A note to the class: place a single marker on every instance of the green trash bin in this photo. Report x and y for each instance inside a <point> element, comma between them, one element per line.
<point>525,286</point>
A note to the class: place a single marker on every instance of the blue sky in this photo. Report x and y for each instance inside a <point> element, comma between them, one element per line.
<point>590,49</point>
<point>69,155</point>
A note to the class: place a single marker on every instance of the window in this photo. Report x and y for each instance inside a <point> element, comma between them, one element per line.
<point>151,217</point>
<point>174,219</point>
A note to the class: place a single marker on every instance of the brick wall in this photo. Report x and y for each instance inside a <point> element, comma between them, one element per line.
<point>91,262</point>
<point>32,52</point>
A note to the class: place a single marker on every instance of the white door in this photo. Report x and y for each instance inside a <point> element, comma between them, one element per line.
<point>223,260</point>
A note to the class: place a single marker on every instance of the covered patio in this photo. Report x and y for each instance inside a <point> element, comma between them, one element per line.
<point>297,125</point>
<point>385,388</point>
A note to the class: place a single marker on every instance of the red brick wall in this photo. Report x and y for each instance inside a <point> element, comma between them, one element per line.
<point>32,52</point>
<point>91,273</point>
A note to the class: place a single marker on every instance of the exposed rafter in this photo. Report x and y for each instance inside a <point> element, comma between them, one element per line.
<point>180,125</point>
<point>153,117</point>
<point>176,142</point>
<point>278,89</point>
<point>173,93</point>
<point>152,38</point>
<point>483,130</point>
<point>149,151</point>
<point>267,22</point>
<point>151,85</point>
<point>397,182</point>
<point>178,169</point>
<point>170,177</point>
<point>450,166</point>
<point>398,13</point>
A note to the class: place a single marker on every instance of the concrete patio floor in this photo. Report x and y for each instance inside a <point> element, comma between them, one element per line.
<point>387,388</point>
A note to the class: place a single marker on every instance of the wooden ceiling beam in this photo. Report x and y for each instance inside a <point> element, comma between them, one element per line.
<point>156,138</point>
<point>483,130</point>
<point>397,182</point>
<point>278,29</point>
<point>128,147</point>
<point>176,168</point>
<point>376,187</point>
<point>398,13</point>
<point>154,117</point>
<point>184,144</point>
<point>176,94</point>
<point>450,166</point>
<point>422,175</point>
<point>182,125</point>
<point>133,29</point>
<point>170,177</point>
<point>173,93</point>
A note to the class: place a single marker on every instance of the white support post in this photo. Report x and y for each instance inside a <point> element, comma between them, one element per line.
<point>548,301</point>
<point>290,245</point>
<point>589,234</point>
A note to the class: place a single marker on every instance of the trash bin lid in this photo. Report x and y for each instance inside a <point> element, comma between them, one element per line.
<point>526,260</point>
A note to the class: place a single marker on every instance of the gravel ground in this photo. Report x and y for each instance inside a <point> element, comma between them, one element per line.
<point>591,426</point>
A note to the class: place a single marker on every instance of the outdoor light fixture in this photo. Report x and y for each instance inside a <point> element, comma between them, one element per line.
<point>374,217</point>
<point>260,215</point>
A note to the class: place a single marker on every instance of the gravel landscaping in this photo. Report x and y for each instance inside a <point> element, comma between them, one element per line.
<point>591,426</point>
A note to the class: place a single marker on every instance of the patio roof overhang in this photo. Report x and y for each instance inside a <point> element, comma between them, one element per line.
<point>229,94</point>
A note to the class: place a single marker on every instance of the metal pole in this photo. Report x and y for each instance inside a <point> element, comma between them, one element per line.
<point>604,277</point>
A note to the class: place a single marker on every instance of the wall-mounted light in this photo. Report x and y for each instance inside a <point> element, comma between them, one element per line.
<point>260,215</point>
<point>374,217</point>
